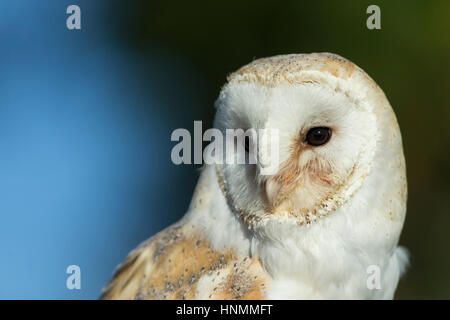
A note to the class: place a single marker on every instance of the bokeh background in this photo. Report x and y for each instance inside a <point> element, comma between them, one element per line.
<point>86,118</point>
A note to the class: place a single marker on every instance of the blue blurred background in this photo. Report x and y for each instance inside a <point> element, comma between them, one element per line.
<point>86,117</point>
<point>85,170</point>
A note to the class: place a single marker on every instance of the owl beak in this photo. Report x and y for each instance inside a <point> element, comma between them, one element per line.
<point>273,188</point>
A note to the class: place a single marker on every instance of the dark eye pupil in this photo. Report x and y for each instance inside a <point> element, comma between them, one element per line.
<point>318,136</point>
<point>247,143</point>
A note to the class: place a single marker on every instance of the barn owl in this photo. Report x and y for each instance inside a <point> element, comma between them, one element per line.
<point>333,209</point>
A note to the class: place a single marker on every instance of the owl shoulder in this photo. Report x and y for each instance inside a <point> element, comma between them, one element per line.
<point>178,263</point>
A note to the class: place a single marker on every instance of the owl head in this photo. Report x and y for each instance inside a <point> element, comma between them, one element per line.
<point>335,129</point>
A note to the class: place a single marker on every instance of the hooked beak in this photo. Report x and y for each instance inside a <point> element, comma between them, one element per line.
<point>273,189</point>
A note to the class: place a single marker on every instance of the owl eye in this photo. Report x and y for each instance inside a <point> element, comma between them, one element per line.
<point>247,144</point>
<point>318,136</point>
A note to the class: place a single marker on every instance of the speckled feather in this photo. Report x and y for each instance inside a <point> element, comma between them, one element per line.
<point>178,264</point>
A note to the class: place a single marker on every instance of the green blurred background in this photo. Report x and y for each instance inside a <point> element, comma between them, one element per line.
<point>408,58</point>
